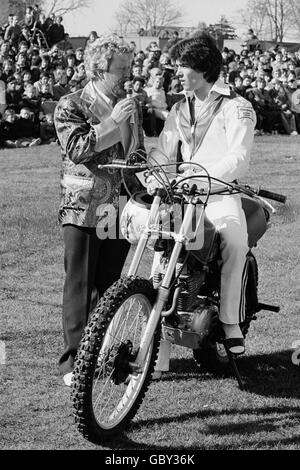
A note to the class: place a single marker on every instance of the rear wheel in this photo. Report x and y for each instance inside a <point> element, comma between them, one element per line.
<point>107,390</point>
<point>212,356</point>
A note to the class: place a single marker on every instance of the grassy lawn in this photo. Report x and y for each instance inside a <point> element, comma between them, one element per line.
<point>186,409</point>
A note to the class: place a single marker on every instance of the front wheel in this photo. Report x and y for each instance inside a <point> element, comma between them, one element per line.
<point>107,390</point>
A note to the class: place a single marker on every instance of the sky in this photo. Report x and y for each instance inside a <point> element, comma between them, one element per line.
<point>100,15</point>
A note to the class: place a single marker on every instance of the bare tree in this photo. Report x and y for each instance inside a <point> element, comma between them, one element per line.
<point>269,18</point>
<point>151,15</point>
<point>61,7</point>
<point>295,13</point>
<point>254,16</point>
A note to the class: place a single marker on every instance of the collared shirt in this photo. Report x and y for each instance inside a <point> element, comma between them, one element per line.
<point>226,145</point>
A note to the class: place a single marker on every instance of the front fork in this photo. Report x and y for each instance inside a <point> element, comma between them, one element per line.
<point>164,289</point>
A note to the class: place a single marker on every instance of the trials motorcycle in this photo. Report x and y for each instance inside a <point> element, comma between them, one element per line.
<point>178,303</point>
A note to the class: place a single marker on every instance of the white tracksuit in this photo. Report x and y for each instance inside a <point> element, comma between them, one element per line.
<point>225,153</point>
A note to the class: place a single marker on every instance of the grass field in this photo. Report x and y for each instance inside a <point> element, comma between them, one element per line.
<point>186,409</point>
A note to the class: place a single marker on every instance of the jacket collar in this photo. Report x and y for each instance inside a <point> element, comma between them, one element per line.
<point>218,88</point>
<point>99,104</point>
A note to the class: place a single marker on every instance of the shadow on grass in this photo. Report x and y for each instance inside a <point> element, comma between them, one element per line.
<point>270,375</point>
<point>266,420</point>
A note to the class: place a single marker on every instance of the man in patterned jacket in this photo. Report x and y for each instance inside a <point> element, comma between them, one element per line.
<point>94,125</point>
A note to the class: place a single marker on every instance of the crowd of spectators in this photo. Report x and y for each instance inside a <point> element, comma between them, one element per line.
<point>269,79</point>
<point>38,65</point>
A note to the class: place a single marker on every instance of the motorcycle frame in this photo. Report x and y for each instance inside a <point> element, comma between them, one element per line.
<point>180,238</point>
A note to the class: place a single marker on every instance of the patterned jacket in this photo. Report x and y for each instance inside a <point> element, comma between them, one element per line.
<point>89,137</point>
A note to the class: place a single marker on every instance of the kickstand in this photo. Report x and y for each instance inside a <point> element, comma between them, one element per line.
<point>234,366</point>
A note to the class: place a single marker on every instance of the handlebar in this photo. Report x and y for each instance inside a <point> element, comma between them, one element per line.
<point>134,164</point>
<point>270,195</point>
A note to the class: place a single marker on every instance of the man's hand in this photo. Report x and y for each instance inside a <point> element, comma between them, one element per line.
<point>123,110</point>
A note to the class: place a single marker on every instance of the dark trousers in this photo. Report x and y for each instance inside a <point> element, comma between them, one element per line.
<point>91,266</point>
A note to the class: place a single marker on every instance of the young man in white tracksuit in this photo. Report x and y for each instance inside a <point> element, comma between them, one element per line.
<point>214,127</point>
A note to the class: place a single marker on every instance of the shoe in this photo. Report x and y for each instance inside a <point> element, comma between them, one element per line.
<point>234,340</point>
<point>294,133</point>
<point>35,142</point>
<point>235,345</point>
<point>67,378</point>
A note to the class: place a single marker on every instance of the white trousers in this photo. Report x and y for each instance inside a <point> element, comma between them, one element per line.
<point>227,215</point>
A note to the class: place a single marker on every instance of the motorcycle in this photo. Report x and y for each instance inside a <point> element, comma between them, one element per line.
<point>178,304</point>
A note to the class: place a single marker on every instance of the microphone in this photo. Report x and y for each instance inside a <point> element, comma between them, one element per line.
<point>129,95</point>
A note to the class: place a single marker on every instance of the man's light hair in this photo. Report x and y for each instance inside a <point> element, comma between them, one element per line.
<point>98,55</point>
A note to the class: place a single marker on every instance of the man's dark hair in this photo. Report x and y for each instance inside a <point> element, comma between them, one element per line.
<point>201,54</point>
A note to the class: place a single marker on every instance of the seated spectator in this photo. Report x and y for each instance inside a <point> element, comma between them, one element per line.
<point>28,131</point>
<point>26,78</point>
<point>8,69</point>
<point>22,63</point>
<point>281,98</point>
<point>31,100</point>
<point>45,94</point>
<point>73,86</point>
<point>80,75</point>
<point>44,78</point>
<point>35,68</point>
<point>69,73</point>
<point>70,60</point>
<point>136,71</point>
<point>60,87</point>
<point>238,86</point>
<point>12,96</point>
<point>9,129</point>
<point>45,63</point>
<point>25,37</point>
<point>55,57</point>
<point>65,44</point>
<point>47,130</point>
<point>267,112</point>
<point>79,54</point>
<point>174,94</point>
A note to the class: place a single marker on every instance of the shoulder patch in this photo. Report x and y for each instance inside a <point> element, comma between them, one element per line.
<point>244,112</point>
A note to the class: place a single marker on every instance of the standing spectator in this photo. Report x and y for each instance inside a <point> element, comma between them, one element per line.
<point>158,102</point>
<point>41,24</point>
<point>56,32</point>
<point>92,38</point>
<point>29,18</point>
<point>13,32</point>
<point>252,40</point>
